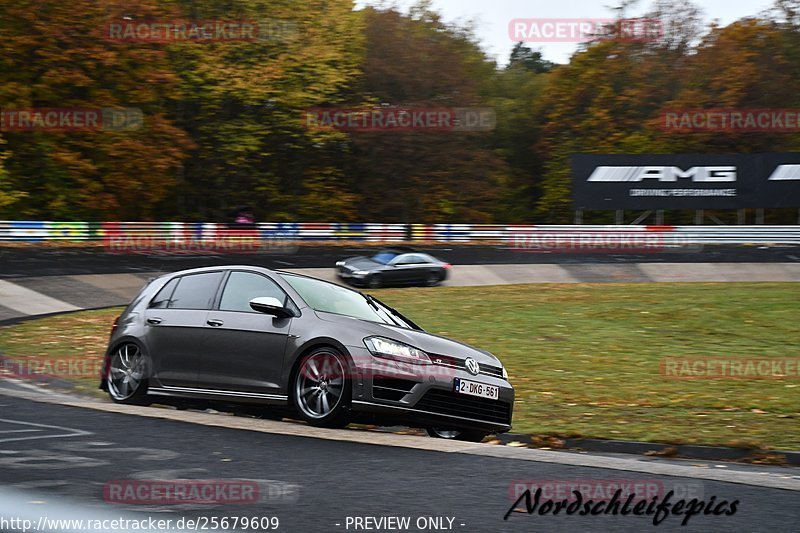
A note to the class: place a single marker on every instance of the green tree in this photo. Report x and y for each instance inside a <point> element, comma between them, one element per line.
<point>244,104</point>
<point>416,60</point>
<point>523,57</point>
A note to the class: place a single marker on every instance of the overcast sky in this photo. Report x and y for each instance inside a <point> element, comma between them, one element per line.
<point>493,17</point>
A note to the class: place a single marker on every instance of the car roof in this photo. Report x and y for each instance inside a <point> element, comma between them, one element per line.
<point>216,268</point>
<point>253,268</point>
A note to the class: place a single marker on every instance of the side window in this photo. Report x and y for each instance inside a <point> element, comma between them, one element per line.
<point>161,300</point>
<point>196,291</point>
<point>243,287</point>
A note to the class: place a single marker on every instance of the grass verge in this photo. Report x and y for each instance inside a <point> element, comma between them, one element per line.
<point>584,359</point>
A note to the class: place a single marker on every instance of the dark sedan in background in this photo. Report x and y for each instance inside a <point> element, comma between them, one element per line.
<point>391,267</point>
<point>248,335</point>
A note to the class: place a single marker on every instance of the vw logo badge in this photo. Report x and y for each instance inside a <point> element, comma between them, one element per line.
<point>472,366</point>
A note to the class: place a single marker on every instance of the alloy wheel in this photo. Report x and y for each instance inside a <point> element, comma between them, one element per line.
<point>127,372</point>
<point>320,385</point>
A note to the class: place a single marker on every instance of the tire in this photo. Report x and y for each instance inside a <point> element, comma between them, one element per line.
<point>374,281</point>
<point>129,368</point>
<point>321,389</point>
<point>451,434</point>
<point>433,279</point>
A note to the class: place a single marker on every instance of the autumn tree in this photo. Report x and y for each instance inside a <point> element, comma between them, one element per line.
<point>56,55</point>
<point>418,61</point>
<point>244,103</point>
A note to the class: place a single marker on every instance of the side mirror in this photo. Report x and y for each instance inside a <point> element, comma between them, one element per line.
<point>270,306</point>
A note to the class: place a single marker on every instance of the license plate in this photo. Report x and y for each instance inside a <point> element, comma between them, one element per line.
<point>473,388</point>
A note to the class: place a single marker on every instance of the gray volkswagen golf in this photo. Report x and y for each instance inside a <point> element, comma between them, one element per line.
<point>251,336</point>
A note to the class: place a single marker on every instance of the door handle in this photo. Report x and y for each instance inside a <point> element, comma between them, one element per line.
<point>154,320</point>
<point>215,323</point>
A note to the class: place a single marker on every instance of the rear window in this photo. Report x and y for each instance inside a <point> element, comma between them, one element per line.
<point>195,291</point>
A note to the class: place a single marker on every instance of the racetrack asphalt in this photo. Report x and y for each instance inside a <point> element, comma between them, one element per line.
<point>35,261</point>
<point>61,451</point>
<point>317,483</point>
<point>37,281</point>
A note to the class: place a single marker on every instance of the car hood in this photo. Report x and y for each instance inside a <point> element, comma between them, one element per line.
<point>428,342</point>
<point>362,263</point>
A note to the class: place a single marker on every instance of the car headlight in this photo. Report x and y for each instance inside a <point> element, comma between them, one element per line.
<point>389,349</point>
<point>505,374</point>
<point>340,263</point>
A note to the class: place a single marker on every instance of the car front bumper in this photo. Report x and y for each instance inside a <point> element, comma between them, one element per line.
<point>350,275</point>
<point>423,395</point>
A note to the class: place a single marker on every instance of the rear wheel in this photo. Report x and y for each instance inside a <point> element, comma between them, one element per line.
<point>454,434</point>
<point>322,389</point>
<point>433,279</point>
<point>127,375</point>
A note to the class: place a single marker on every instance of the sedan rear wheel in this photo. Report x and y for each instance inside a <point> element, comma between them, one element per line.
<point>433,279</point>
<point>127,375</point>
<point>322,389</point>
<point>375,281</point>
<point>453,434</point>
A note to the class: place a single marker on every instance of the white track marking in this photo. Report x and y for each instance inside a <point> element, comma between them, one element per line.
<point>30,302</point>
<point>70,432</point>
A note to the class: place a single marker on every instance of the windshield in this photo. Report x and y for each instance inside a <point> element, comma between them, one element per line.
<point>331,298</point>
<point>384,257</point>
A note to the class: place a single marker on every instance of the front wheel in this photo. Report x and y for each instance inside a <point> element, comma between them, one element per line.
<point>322,389</point>
<point>127,375</point>
<point>453,434</point>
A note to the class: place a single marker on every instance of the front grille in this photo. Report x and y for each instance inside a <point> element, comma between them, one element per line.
<point>394,389</point>
<point>450,403</point>
<point>490,370</point>
<point>446,360</point>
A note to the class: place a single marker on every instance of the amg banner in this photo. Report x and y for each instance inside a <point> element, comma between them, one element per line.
<point>685,181</point>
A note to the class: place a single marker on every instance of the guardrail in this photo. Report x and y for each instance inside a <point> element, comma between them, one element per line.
<point>513,235</point>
